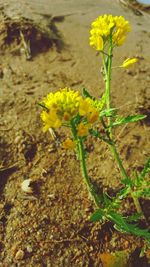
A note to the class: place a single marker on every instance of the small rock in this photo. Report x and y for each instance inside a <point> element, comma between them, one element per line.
<point>17,139</point>
<point>29,249</point>
<point>26,186</point>
<point>126,244</point>
<point>19,255</point>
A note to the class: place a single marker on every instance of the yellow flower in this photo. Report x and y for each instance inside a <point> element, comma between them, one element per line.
<point>68,144</point>
<point>50,120</point>
<point>61,106</point>
<point>88,109</point>
<point>96,41</point>
<point>122,27</point>
<point>128,62</point>
<point>83,129</point>
<point>93,116</point>
<point>84,107</point>
<point>106,25</point>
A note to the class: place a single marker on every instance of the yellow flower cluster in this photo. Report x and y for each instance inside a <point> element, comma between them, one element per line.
<point>61,107</point>
<point>106,25</point>
<point>64,105</point>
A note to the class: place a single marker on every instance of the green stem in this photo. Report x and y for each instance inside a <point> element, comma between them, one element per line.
<point>119,161</point>
<point>87,180</point>
<point>122,169</point>
<point>137,204</point>
<point>108,68</point>
<point>114,151</point>
<point>125,176</point>
<point>74,133</point>
<point>81,156</point>
<point>108,74</point>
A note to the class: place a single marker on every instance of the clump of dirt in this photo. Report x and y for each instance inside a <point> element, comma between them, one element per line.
<point>23,35</point>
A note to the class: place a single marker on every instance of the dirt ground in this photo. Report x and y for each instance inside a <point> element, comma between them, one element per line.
<point>51,226</point>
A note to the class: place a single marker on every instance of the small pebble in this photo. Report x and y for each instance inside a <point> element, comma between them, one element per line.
<point>25,186</point>
<point>126,244</point>
<point>19,255</point>
<point>29,249</point>
<point>17,139</point>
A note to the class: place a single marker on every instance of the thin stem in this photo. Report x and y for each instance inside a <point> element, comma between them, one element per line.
<point>119,161</point>
<point>116,67</point>
<point>108,68</point>
<point>81,156</point>
<point>105,69</point>
<point>108,74</point>
<point>114,151</point>
<point>74,133</point>
<point>85,174</point>
<point>122,169</point>
<point>137,204</point>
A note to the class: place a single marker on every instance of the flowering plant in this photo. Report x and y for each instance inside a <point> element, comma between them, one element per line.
<point>107,26</point>
<point>83,114</point>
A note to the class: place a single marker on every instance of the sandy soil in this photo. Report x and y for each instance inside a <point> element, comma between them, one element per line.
<point>51,226</point>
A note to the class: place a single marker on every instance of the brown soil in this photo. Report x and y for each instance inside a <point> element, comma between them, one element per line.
<point>51,227</point>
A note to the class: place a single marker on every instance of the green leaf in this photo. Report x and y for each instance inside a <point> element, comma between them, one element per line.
<point>43,106</point>
<point>101,102</point>
<point>87,94</point>
<point>128,119</point>
<point>134,217</point>
<point>127,181</point>
<point>146,169</point>
<point>76,119</point>
<point>98,215</point>
<point>122,225</point>
<point>146,192</point>
<point>143,193</point>
<point>97,134</point>
<point>118,220</point>
<point>107,200</point>
<point>108,112</point>
<point>137,179</point>
<point>123,192</point>
<point>137,193</point>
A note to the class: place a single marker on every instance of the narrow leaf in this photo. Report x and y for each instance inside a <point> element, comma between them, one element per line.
<point>43,106</point>
<point>76,119</point>
<point>146,169</point>
<point>134,217</point>
<point>122,225</point>
<point>146,192</point>
<point>101,102</point>
<point>108,112</point>
<point>97,134</point>
<point>128,119</point>
<point>87,94</point>
<point>107,200</point>
<point>98,215</point>
<point>123,192</point>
